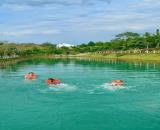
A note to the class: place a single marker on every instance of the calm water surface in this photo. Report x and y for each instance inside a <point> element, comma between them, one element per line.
<point>84,100</point>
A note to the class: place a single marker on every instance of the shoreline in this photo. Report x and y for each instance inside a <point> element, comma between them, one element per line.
<point>153,58</point>
<point>19,59</point>
<point>126,57</point>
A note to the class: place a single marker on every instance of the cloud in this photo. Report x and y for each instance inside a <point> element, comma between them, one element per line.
<point>22,5</point>
<point>15,7</point>
<point>147,4</point>
<point>49,2</point>
<point>76,20</point>
<point>28,32</point>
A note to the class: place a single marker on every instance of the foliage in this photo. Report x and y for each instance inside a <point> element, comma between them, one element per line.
<point>123,41</point>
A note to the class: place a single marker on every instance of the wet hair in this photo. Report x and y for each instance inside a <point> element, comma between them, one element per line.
<point>30,73</point>
<point>120,80</point>
<point>51,79</point>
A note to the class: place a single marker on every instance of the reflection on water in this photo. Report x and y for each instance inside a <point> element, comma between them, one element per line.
<point>84,62</point>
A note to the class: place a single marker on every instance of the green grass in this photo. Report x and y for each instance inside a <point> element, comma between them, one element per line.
<point>18,59</point>
<point>131,57</point>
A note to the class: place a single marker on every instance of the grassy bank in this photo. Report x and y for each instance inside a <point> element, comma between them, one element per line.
<point>4,62</point>
<point>128,57</point>
<point>122,57</point>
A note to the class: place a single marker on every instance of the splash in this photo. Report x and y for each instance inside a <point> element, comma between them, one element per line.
<point>59,88</point>
<point>112,87</point>
<point>62,87</point>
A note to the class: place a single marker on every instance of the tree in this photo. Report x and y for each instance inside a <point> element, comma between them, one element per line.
<point>127,35</point>
<point>48,44</point>
<point>146,39</point>
<point>1,53</point>
<point>91,43</point>
<point>157,38</point>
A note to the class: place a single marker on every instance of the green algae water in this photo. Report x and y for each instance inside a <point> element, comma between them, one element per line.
<point>84,100</point>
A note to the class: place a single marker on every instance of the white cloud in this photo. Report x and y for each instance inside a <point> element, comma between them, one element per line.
<point>146,4</point>
<point>15,7</point>
<point>56,17</point>
<point>29,32</point>
<point>50,2</point>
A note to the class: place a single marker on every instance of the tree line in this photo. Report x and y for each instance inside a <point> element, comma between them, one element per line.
<point>123,41</point>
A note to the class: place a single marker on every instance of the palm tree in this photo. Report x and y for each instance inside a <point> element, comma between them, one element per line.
<point>146,40</point>
<point>157,38</point>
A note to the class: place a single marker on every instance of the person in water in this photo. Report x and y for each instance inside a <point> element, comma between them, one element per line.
<point>30,75</point>
<point>117,82</point>
<point>53,81</point>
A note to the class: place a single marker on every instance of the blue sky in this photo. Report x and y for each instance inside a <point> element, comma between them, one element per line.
<point>75,21</point>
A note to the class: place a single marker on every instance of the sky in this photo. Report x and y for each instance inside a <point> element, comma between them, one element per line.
<point>75,21</point>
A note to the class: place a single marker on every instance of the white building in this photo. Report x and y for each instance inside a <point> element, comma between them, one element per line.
<point>64,45</point>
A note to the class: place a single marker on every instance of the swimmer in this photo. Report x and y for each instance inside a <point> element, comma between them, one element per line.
<point>116,82</point>
<point>30,75</point>
<point>52,81</point>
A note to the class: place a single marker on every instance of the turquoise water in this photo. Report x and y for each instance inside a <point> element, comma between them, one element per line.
<point>84,100</point>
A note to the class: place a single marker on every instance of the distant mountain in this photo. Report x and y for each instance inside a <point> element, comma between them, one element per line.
<point>64,45</point>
